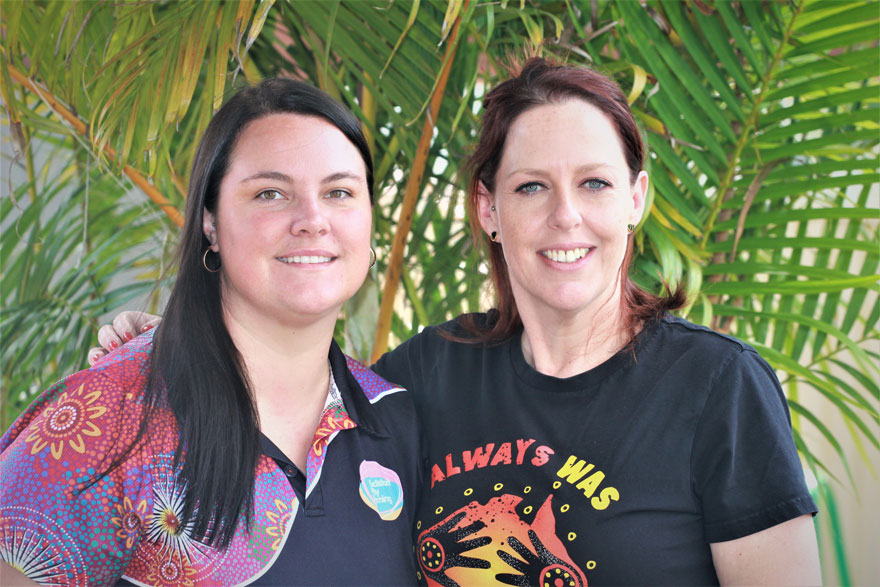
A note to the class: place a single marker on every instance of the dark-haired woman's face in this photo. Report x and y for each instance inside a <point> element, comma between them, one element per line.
<point>293,221</point>
<point>562,202</point>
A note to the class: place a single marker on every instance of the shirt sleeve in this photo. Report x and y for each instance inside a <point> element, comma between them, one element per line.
<point>63,519</point>
<point>745,467</point>
<point>403,364</point>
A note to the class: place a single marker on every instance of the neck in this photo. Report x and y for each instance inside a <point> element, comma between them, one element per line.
<point>281,358</point>
<point>565,344</point>
<point>288,373</point>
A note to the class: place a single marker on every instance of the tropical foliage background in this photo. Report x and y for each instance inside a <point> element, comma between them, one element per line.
<point>761,119</point>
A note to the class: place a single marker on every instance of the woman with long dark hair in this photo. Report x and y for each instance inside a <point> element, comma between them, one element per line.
<point>237,444</point>
<point>577,433</point>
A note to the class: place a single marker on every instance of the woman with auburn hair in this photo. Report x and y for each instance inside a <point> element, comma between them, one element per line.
<point>237,444</point>
<point>578,433</point>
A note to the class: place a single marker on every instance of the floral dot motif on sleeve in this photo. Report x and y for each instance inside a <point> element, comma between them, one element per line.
<point>43,553</point>
<point>167,529</point>
<point>171,572</point>
<point>66,422</point>
<point>130,520</point>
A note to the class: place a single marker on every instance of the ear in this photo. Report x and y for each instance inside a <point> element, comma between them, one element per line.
<point>487,215</point>
<point>209,228</point>
<point>639,192</point>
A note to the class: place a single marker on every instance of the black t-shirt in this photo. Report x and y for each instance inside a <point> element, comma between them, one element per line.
<point>620,475</point>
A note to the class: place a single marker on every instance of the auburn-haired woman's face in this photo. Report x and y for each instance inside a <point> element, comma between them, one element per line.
<point>293,220</point>
<point>562,202</point>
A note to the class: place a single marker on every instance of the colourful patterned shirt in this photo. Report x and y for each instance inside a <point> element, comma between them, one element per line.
<point>127,525</point>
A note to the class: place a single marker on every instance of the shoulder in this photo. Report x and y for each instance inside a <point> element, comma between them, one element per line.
<point>55,459</point>
<point>87,402</point>
<point>91,417</point>
<point>675,338</point>
<point>434,347</point>
<point>695,334</point>
<point>702,365</point>
<point>457,332</point>
<point>732,377</point>
<point>129,364</point>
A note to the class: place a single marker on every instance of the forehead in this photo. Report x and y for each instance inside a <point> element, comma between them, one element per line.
<point>570,128</point>
<point>295,144</point>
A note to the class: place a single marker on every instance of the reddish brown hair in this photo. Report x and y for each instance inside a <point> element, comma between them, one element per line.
<point>541,82</point>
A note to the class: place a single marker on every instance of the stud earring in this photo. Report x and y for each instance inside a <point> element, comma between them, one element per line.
<point>630,227</point>
<point>492,207</point>
<point>493,236</point>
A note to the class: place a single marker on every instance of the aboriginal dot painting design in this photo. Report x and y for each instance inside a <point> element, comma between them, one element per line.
<point>333,419</point>
<point>63,521</point>
<point>375,388</point>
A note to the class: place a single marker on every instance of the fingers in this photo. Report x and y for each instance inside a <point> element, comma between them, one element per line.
<point>128,324</point>
<point>108,338</point>
<point>150,321</point>
<point>95,355</point>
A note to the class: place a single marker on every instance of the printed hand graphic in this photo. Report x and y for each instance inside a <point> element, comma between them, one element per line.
<point>441,549</point>
<point>540,568</point>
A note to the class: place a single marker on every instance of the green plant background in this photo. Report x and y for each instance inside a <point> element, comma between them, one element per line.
<point>761,119</point>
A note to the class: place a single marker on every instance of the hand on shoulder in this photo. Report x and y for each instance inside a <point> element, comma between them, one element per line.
<point>125,326</point>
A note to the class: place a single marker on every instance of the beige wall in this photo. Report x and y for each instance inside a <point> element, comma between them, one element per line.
<point>857,498</point>
<point>857,505</point>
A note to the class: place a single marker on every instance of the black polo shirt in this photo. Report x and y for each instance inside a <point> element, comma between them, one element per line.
<point>343,532</point>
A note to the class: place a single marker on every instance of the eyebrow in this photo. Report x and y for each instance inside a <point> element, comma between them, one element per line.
<point>543,173</point>
<point>342,175</point>
<point>278,176</point>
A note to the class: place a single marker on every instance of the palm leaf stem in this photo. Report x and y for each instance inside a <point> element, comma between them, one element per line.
<point>80,127</point>
<point>751,123</point>
<point>410,199</point>
<point>29,165</point>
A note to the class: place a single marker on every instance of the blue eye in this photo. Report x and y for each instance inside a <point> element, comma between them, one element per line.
<point>529,188</point>
<point>597,184</point>
<point>270,195</point>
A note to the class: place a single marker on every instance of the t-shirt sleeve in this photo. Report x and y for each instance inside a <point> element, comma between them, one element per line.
<point>745,467</point>
<point>403,365</point>
<point>54,526</point>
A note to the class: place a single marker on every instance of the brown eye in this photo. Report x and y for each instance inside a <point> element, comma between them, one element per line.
<point>339,194</point>
<point>270,195</point>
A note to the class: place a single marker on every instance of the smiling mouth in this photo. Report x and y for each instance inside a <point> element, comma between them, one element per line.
<point>566,256</point>
<point>305,259</point>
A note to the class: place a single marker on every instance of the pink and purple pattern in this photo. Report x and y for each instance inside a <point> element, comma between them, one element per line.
<point>58,529</point>
<point>375,388</point>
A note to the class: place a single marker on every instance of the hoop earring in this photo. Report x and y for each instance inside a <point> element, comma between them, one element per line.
<point>630,227</point>
<point>493,236</point>
<point>372,257</point>
<point>205,262</point>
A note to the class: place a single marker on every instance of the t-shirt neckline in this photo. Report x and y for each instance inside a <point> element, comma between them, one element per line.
<point>583,381</point>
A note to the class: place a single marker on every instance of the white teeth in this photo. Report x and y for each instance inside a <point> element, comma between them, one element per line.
<point>305,259</point>
<point>563,256</point>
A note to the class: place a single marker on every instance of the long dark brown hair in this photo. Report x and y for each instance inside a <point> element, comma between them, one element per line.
<point>536,83</point>
<point>195,364</point>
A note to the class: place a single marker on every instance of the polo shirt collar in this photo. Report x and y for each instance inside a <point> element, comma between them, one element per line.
<point>356,403</point>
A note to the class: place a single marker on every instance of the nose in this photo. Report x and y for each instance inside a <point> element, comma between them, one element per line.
<point>308,217</point>
<point>564,214</point>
